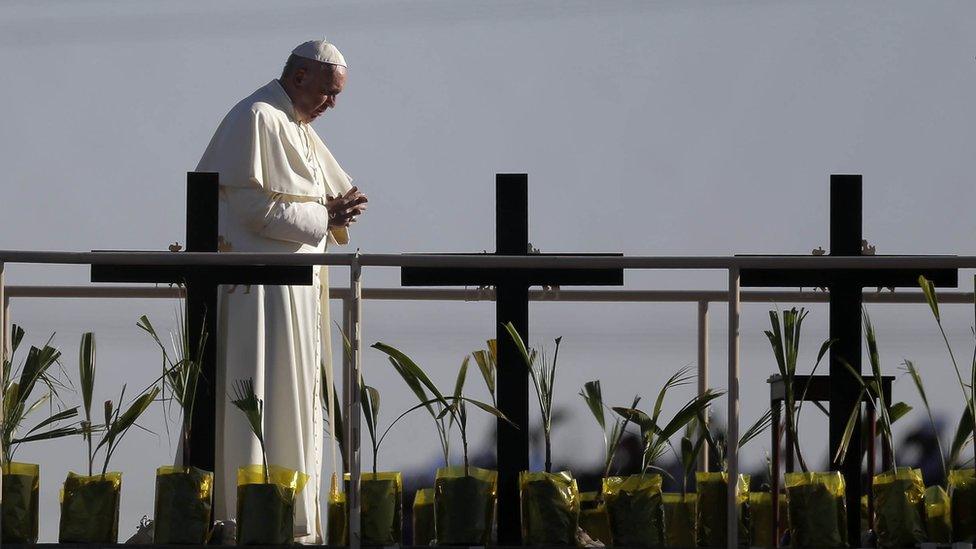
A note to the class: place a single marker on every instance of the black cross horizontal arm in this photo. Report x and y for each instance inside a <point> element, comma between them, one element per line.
<point>866,278</point>
<point>286,275</point>
<point>563,276</point>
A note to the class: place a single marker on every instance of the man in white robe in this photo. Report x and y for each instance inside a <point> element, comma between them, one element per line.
<point>281,190</point>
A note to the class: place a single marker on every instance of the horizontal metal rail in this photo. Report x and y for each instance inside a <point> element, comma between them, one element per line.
<point>491,261</point>
<point>488,294</point>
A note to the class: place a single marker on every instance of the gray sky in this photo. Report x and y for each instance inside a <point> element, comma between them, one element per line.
<point>646,128</point>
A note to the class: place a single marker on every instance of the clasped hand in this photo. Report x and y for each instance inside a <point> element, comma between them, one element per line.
<point>344,209</point>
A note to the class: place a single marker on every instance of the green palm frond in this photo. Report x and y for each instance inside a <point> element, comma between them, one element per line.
<point>247,401</point>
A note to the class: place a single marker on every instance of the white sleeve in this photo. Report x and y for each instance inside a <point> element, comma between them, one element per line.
<point>271,216</point>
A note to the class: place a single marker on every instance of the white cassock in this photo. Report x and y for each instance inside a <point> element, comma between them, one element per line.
<point>274,175</point>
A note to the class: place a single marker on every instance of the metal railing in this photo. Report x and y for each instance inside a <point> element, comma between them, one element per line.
<point>354,295</point>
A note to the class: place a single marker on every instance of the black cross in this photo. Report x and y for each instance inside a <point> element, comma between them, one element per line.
<point>511,305</point>
<point>201,300</point>
<point>846,287</point>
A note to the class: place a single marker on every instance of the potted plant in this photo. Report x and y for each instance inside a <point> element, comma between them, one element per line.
<point>713,489</point>
<point>464,496</point>
<point>761,511</point>
<point>265,493</point>
<point>337,517</point>
<point>550,503</point>
<point>817,508</point>
<point>21,481</point>
<point>381,493</point>
<point>634,503</point>
<point>593,510</point>
<point>962,481</point>
<point>90,503</point>
<point>681,508</point>
<point>183,493</point>
<point>938,515</point>
<point>898,494</point>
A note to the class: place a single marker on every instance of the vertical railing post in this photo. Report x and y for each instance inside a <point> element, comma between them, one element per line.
<point>3,343</point>
<point>732,521</point>
<point>351,401</point>
<point>703,370</point>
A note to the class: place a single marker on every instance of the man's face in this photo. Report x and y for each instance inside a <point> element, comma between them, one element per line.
<point>316,91</point>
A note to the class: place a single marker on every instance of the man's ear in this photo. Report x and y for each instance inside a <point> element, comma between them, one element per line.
<point>299,76</point>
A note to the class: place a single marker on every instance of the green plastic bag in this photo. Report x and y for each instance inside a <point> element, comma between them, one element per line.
<point>636,510</point>
<point>183,505</point>
<point>818,511</point>
<point>337,517</point>
<point>90,508</point>
<point>593,517</point>
<point>680,519</point>
<point>550,508</point>
<point>761,515</point>
<point>423,517</point>
<point>19,502</point>
<point>899,508</point>
<point>713,490</point>
<point>266,506</point>
<point>962,494</point>
<point>938,515</point>
<point>464,505</point>
<point>381,507</point>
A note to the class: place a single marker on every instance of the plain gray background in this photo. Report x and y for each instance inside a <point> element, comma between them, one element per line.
<point>681,128</point>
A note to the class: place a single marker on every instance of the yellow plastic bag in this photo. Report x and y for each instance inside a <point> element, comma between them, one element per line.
<point>381,507</point>
<point>464,505</point>
<point>938,515</point>
<point>90,508</point>
<point>962,493</point>
<point>899,508</point>
<point>713,489</point>
<point>550,508</point>
<point>183,505</point>
<point>337,517</point>
<point>19,500</point>
<point>423,517</point>
<point>818,511</point>
<point>636,511</point>
<point>266,506</point>
<point>593,517</point>
<point>680,520</point>
<point>761,515</point>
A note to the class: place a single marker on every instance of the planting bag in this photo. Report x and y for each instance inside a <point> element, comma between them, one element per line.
<point>593,517</point>
<point>423,517</point>
<point>90,508</point>
<point>19,502</point>
<point>266,506</point>
<point>464,505</point>
<point>713,489</point>
<point>680,519</point>
<point>962,494</point>
<point>761,517</point>
<point>818,512</point>
<point>635,509</point>
<point>899,508</point>
<point>550,508</point>
<point>938,516</point>
<point>337,517</point>
<point>183,505</point>
<point>381,507</point>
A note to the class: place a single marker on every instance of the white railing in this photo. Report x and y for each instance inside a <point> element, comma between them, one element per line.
<point>354,295</point>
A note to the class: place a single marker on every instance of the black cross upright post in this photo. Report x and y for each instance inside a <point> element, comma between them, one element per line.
<point>511,305</point>
<point>846,287</point>
<point>201,300</point>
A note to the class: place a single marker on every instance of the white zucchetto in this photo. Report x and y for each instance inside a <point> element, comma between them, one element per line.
<point>321,51</point>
